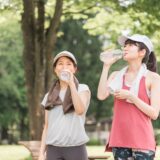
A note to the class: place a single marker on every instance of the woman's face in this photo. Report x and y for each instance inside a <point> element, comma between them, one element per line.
<point>64,63</point>
<point>131,50</point>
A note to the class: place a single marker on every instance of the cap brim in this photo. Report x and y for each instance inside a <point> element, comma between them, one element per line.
<point>122,39</point>
<point>64,54</point>
<point>61,55</point>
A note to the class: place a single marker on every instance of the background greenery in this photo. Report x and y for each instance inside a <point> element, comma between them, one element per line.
<point>85,34</point>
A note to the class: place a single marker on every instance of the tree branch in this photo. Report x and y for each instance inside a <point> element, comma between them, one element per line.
<point>81,11</point>
<point>54,24</point>
<point>51,39</point>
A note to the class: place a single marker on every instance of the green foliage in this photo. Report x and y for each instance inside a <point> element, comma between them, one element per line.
<point>12,91</point>
<point>114,19</point>
<point>29,158</point>
<point>158,139</point>
<point>94,142</point>
<point>14,6</point>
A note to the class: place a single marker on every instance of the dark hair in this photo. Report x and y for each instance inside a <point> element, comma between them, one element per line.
<point>149,58</point>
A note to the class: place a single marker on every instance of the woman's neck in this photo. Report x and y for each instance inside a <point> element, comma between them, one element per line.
<point>134,67</point>
<point>63,85</point>
<point>131,73</point>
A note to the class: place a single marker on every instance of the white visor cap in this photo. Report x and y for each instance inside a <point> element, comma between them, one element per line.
<point>65,54</point>
<point>138,38</point>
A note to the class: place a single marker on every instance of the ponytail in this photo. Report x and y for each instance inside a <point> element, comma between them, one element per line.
<point>149,58</point>
<point>152,62</point>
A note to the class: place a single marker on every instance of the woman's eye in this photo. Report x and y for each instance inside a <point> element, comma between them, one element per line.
<point>60,63</point>
<point>129,44</point>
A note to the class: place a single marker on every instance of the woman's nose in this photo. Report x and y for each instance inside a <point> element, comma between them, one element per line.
<point>64,66</point>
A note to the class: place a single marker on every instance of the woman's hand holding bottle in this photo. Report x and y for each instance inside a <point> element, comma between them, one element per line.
<point>66,76</point>
<point>111,56</point>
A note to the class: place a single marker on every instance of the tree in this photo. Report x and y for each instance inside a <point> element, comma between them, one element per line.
<point>38,47</point>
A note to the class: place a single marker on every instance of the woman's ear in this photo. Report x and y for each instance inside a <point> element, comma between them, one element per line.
<point>142,52</point>
<point>75,70</point>
<point>54,71</point>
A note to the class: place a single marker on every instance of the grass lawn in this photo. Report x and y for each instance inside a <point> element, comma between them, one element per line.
<point>13,152</point>
<point>17,152</point>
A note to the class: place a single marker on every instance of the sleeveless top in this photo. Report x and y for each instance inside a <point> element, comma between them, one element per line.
<point>131,128</point>
<point>66,130</point>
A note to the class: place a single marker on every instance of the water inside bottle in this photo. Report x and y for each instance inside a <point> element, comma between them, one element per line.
<point>64,76</point>
<point>111,53</point>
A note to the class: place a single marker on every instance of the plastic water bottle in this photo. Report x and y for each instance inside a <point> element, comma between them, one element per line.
<point>111,91</point>
<point>64,76</point>
<point>106,55</point>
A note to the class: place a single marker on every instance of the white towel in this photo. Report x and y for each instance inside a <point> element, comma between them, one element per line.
<point>117,82</point>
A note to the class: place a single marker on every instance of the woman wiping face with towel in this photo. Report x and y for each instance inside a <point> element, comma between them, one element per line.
<point>65,105</point>
<point>136,91</point>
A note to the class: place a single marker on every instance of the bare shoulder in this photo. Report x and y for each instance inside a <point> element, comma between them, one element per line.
<point>153,77</point>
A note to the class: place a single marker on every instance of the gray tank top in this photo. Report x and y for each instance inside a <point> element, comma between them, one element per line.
<point>66,129</point>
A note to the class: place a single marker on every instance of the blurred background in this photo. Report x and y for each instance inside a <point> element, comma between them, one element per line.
<point>33,31</point>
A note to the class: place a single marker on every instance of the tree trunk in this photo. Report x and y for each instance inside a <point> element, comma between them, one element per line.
<point>36,55</point>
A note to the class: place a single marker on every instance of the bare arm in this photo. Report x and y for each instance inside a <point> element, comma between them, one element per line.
<point>80,100</point>
<point>43,139</point>
<point>103,91</point>
<point>153,109</point>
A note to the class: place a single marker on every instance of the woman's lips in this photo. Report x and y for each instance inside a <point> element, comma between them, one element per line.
<point>125,53</point>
